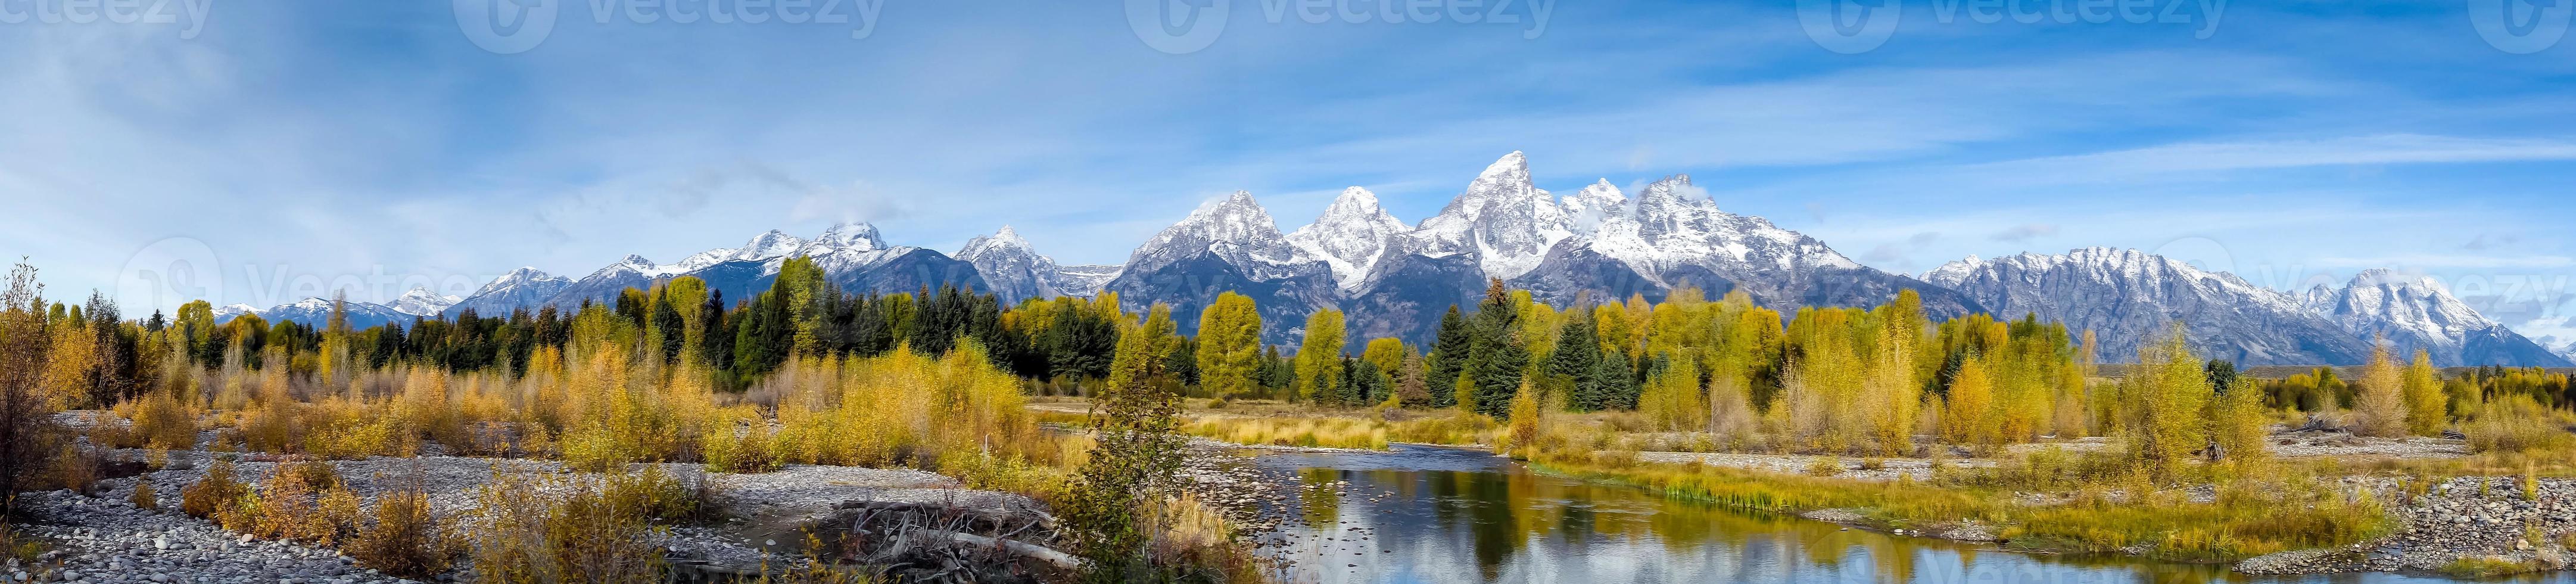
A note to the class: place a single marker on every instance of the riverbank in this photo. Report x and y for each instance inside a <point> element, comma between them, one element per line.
<point>756,520</point>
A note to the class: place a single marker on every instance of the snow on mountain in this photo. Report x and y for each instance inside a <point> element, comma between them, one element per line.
<point>2129,298</point>
<point>2420,314</point>
<point>1012,268</point>
<point>316,312</point>
<point>1350,235</point>
<point>226,312</point>
<point>422,302</point>
<point>1588,208</point>
<point>521,288</point>
<point>1227,245</point>
<point>1504,220</point>
<point>1236,229</point>
<point>1083,280</point>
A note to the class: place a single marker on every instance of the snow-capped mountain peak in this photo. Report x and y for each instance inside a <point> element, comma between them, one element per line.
<point>1013,269</point>
<point>1350,236</point>
<point>858,236</point>
<point>2128,297</point>
<point>1235,228</point>
<point>2419,314</point>
<point>1501,217</point>
<point>1596,203</point>
<point>1511,168</point>
<point>422,302</point>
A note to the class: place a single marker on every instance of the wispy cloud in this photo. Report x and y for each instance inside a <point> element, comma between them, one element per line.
<point>2024,232</point>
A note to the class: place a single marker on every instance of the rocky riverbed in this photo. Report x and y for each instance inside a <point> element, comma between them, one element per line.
<point>2489,518</point>
<point>106,538</point>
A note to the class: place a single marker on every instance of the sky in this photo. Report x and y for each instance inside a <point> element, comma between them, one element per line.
<point>260,152</point>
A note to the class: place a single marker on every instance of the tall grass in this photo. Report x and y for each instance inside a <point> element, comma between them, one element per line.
<point>2255,519</point>
<point>1298,432</point>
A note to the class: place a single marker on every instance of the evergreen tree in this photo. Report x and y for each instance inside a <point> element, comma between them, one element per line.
<point>1368,385</point>
<point>1413,386</point>
<point>1578,358</point>
<point>1448,358</point>
<point>1496,370</point>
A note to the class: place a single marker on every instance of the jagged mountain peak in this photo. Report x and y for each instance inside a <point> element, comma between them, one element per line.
<point>1012,268</point>
<point>1511,167</point>
<point>1504,220</point>
<point>1236,228</point>
<point>1597,203</point>
<point>1002,242</point>
<point>423,302</point>
<point>2420,314</point>
<point>858,236</point>
<point>1350,236</point>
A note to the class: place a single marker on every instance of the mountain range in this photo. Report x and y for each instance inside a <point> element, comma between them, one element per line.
<point>1597,244</point>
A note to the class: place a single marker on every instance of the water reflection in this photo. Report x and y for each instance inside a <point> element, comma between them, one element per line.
<point>1451,516</point>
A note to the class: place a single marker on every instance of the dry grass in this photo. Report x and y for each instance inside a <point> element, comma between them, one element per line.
<point>2516,424</point>
<point>546,530</point>
<point>2252,516</point>
<point>1298,432</point>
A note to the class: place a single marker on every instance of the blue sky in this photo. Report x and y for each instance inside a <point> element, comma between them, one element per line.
<point>311,141</point>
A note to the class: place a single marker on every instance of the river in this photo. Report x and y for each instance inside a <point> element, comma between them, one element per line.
<point>1440,515</point>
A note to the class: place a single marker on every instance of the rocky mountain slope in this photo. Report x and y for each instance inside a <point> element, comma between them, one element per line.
<point>2128,298</point>
<point>2420,314</point>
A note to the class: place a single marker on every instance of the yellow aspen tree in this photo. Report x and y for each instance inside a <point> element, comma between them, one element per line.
<point>1319,358</point>
<point>2426,404</point>
<point>1966,418</point>
<point>2164,405</point>
<point>1891,392</point>
<point>2382,403</point>
<point>1229,351</point>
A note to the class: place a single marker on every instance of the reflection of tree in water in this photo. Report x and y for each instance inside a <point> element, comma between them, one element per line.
<point>1323,502</point>
<point>1543,528</point>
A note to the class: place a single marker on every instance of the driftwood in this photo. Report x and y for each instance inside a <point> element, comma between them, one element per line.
<point>1023,549</point>
<point>948,542</point>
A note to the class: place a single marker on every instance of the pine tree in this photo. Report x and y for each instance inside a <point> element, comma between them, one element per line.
<point>1448,358</point>
<point>1496,368</point>
<point>1368,385</point>
<point>1413,387</point>
<point>1578,358</point>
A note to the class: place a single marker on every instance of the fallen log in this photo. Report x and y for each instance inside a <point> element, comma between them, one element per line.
<point>1016,547</point>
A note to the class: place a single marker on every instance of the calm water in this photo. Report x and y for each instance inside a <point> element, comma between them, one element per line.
<point>1442,515</point>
